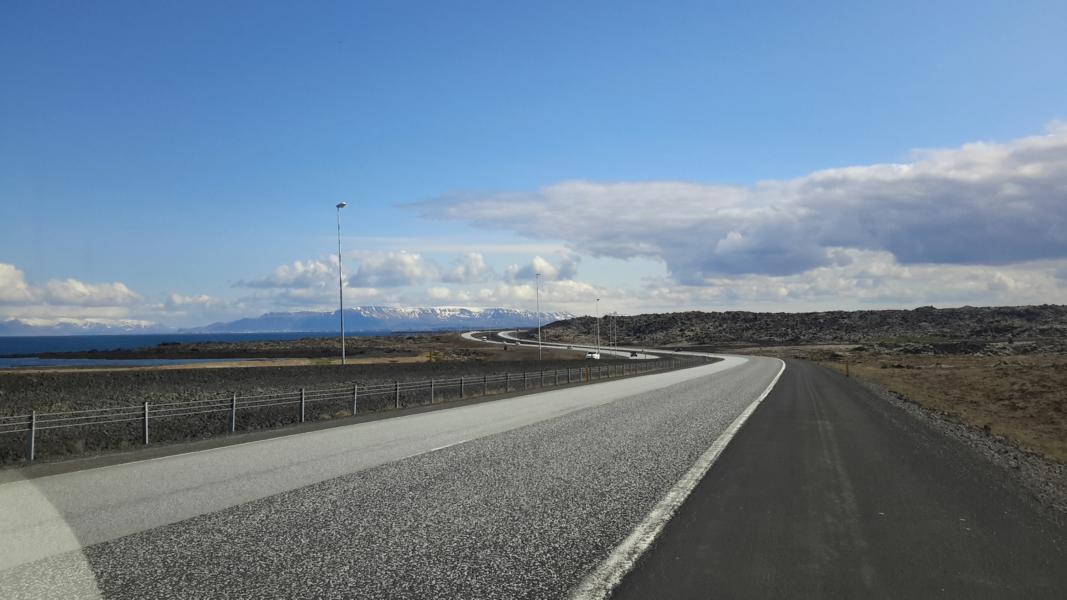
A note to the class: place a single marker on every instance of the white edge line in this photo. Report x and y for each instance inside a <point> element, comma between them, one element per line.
<point>600,583</point>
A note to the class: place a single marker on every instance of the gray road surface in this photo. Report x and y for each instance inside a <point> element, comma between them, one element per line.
<point>514,498</point>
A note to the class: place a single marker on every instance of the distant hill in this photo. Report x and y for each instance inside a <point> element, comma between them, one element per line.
<point>861,326</point>
<point>12,327</point>
<point>375,319</point>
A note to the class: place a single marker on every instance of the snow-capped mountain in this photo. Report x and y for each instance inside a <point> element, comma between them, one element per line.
<point>78,327</point>
<point>366,319</point>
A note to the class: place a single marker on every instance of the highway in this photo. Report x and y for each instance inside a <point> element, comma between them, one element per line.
<point>519,497</point>
<point>746,478</point>
<point>637,353</point>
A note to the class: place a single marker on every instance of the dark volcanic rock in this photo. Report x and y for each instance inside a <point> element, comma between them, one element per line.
<point>925,326</point>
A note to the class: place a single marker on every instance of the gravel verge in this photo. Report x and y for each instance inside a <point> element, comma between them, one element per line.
<point>1045,480</point>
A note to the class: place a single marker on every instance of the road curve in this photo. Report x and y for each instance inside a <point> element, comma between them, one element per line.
<point>517,497</point>
<point>637,353</point>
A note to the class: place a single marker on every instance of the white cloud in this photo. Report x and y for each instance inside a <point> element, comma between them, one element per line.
<point>62,298</point>
<point>13,286</point>
<point>77,293</point>
<point>178,300</point>
<point>469,267</point>
<point>567,269</point>
<point>439,294</point>
<point>980,204</point>
<point>301,274</point>
<point>393,269</point>
<point>15,290</point>
<point>868,279</point>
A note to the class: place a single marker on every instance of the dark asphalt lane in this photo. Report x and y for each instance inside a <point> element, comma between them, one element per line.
<point>830,492</point>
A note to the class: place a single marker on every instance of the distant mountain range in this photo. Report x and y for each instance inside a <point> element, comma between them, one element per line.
<point>386,319</point>
<point>361,319</point>
<point>12,327</point>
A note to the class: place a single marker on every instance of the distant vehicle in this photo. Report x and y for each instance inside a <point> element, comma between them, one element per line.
<point>633,355</point>
<point>592,355</point>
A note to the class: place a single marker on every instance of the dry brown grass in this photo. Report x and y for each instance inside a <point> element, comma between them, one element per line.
<point>1023,398</point>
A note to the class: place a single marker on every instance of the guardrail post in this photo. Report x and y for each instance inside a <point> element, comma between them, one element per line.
<point>507,382</point>
<point>33,436</point>
<point>233,413</point>
<point>431,390</point>
<point>524,386</point>
<point>485,384</point>
<point>557,376</point>
<point>542,378</point>
<point>355,399</point>
<point>303,403</point>
<point>145,423</point>
<point>396,401</point>
<point>462,392</point>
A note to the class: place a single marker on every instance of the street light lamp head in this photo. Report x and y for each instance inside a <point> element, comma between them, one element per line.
<point>342,204</point>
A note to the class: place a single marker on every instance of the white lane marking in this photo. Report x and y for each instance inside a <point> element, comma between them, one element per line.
<point>606,577</point>
<point>446,446</point>
<point>431,450</point>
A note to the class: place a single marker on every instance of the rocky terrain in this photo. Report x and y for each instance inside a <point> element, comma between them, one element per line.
<point>997,373</point>
<point>1044,326</point>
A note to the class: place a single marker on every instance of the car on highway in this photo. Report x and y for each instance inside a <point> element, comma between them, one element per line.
<point>592,355</point>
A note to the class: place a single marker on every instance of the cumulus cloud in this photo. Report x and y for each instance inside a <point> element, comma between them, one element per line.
<point>182,302</point>
<point>14,289</point>
<point>393,269</point>
<point>59,299</point>
<point>566,267</point>
<point>865,278</point>
<point>13,286</point>
<point>78,293</point>
<point>470,267</point>
<point>979,204</point>
<point>300,274</point>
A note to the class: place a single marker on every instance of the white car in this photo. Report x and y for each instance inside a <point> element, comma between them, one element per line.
<point>593,355</point>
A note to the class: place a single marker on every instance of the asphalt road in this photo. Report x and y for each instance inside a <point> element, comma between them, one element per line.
<point>606,351</point>
<point>830,492</point>
<point>514,498</point>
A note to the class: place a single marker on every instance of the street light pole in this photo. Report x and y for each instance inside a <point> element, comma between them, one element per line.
<point>341,280</point>
<point>537,284</point>
<point>598,326</point>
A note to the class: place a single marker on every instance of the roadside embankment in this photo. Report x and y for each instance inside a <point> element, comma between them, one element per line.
<point>51,392</point>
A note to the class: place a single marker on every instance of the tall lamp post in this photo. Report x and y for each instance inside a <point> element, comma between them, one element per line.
<point>537,285</point>
<point>341,280</point>
<point>598,326</point>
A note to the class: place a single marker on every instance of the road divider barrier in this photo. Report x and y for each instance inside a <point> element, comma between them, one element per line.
<point>361,398</point>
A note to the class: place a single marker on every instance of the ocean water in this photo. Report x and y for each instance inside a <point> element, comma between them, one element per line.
<point>33,345</point>
<point>14,363</point>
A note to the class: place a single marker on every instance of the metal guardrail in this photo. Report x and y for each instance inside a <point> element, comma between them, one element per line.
<point>36,422</point>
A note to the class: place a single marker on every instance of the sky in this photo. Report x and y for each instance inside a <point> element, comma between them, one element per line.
<point>179,162</point>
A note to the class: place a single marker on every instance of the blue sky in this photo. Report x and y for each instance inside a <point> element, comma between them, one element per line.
<point>190,153</point>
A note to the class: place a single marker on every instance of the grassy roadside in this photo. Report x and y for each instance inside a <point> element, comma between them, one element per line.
<point>1023,398</point>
